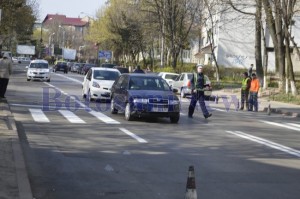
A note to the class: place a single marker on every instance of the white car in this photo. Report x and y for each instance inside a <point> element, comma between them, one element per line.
<point>181,83</point>
<point>38,70</point>
<point>98,82</point>
<point>169,77</point>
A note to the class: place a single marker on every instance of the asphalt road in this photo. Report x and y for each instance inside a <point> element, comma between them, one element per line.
<point>75,152</point>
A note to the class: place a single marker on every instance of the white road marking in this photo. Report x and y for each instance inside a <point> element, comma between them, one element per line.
<point>282,125</point>
<point>296,125</point>
<point>139,139</point>
<point>104,118</point>
<point>38,115</point>
<point>266,143</point>
<point>41,106</point>
<point>99,115</point>
<point>221,110</point>
<point>71,117</point>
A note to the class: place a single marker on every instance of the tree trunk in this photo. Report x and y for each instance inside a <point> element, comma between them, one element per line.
<point>258,54</point>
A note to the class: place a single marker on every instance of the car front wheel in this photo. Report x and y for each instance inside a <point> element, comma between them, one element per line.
<point>175,118</point>
<point>128,115</point>
<point>113,110</point>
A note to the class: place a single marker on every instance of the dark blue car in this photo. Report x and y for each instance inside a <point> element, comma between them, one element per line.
<point>144,95</point>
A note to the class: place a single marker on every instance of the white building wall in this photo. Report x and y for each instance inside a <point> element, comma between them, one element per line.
<point>236,45</point>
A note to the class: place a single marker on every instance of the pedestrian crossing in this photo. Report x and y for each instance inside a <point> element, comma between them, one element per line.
<point>39,116</point>
<point>84,116</point>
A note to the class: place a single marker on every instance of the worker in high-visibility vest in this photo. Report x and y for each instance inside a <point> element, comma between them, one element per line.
<point>199,83</point>
<point>254,88</point>
<point>246,82</point>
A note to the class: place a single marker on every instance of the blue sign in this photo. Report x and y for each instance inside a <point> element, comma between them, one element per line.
<point>104,54</point>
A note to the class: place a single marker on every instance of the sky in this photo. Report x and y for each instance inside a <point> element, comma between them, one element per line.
<point>70,8</point>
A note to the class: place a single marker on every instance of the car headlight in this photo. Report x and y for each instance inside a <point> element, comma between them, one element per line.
<point>140,100</point>
<point>95,84</point>
<point>174,102</point>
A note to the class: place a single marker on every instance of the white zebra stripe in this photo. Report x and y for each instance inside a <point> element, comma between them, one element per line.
<point>38,115</point>
<point>71,117</point>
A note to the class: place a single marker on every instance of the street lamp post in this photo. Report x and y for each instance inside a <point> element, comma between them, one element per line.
<point>50,44</point>
<point>64,32</point>
<point>41,41</point>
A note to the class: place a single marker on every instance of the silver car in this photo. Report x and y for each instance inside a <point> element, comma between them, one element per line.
<point>181,83</point>
<point>38,70</point>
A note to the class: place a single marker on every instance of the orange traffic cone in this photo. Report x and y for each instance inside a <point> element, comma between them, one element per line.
<point>191,192</point>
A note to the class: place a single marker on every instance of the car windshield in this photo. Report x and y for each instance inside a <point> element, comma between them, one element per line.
<point>105,75</point>
<point>171,76</point>
<point>38,65</point>
<point>148,83</point>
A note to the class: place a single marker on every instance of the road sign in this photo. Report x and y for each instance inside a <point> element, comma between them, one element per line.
<point>104,54</point>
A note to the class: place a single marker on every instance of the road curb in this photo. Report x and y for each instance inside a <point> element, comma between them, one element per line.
<point>282,112</point>
<point>21,170</point>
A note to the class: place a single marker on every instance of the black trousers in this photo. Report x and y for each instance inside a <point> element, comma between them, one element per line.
<point>244,98</point>
<point>198,96</point>
<point>3,86</point>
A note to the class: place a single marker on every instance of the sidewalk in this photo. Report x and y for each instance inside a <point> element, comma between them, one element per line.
<point>265,105</point>
<point>14,182</point>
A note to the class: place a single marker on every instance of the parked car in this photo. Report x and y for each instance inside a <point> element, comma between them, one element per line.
<point>38,70</point>
<point>70,64</point>
<point>169,77</point>
<point>79,69</point>
<point>86,68</point>
<point>144,95</point>
<point>97,83</point>
<point>15,60</point>
<point>61,66</point>
<point>122,69</point>
<point>23,60</point>
<point>181,83</point>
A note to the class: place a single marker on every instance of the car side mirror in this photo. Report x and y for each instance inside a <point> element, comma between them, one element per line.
<point>175,90</point>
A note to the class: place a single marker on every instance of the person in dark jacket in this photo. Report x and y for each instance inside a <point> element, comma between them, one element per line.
<point>199,83</point>
<point>138,70</point>
<point>246,82</point>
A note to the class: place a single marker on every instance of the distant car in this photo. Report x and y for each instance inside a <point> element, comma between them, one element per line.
<point>86,68</point>
<point>14,60</point>
<point>61,66</point>
<point>107,65</point>
<point>97,83</point>
<point>144,95</point>
<point>169,77</point>
<point>38,70</point>
<point>181,83</point>
<point>75,67</point>
<point>23,60</point>
<point>122,69</point>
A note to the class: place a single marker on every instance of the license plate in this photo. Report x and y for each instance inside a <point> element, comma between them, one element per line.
<point>159,109</point>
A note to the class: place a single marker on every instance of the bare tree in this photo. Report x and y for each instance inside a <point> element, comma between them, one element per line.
<point>176,18</point>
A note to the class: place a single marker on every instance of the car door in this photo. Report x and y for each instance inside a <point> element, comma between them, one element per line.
<point>87,81</point>
<point>116,91</point>
<point>123,93</point>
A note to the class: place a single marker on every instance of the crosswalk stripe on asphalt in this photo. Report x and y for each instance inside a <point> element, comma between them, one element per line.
<point>71,117</point>
<point>38,115</point>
